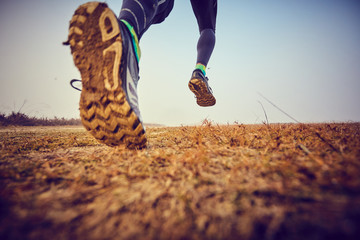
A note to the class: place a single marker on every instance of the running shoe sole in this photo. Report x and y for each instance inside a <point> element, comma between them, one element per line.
<point>96,47</point>
<point>203,97</point>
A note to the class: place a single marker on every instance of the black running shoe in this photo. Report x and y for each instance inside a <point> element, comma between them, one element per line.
<point>198,84</point>
<point>102,51</point>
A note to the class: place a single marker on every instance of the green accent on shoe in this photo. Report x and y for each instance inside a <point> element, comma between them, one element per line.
<point>201,67</point>
<point>134,39</point>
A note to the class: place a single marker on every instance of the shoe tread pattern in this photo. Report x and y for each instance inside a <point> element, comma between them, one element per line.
<point>204,98</point>
<point>104,110</point>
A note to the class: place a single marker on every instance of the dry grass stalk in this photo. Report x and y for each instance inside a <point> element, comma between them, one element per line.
<point>238,181</point>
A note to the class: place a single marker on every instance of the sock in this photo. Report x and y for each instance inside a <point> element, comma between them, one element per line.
<point>201,67</point>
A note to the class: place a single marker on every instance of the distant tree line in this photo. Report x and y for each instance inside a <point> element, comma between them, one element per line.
<point>21,119</point>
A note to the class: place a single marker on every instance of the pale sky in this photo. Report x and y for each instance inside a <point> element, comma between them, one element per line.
<point>303,55</point>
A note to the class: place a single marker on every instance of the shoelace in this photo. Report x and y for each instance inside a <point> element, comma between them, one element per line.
<point>74,81</point>
<point>207,84</point>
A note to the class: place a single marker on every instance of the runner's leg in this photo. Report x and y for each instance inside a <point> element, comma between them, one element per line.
<point>141,14</point>
<point>205,12</point>
<point>205,46</point>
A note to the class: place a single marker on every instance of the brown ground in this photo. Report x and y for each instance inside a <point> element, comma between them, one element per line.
<point>289,181</point>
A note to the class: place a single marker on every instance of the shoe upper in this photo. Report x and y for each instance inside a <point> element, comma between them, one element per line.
<point>198,74</point>
<point>129,69</point>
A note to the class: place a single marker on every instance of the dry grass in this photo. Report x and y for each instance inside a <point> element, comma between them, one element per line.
<point>286,181</point>
<point>21,119</point>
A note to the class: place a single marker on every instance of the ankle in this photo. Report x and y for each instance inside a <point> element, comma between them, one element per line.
<point>201,67</point>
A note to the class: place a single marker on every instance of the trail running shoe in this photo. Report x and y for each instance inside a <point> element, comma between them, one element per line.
<point>198,84</point>
<point>102,51</point>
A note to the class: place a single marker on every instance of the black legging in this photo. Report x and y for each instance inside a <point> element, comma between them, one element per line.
<point>141,14</point>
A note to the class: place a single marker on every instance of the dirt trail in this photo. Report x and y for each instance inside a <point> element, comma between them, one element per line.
<point>283,181</point>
